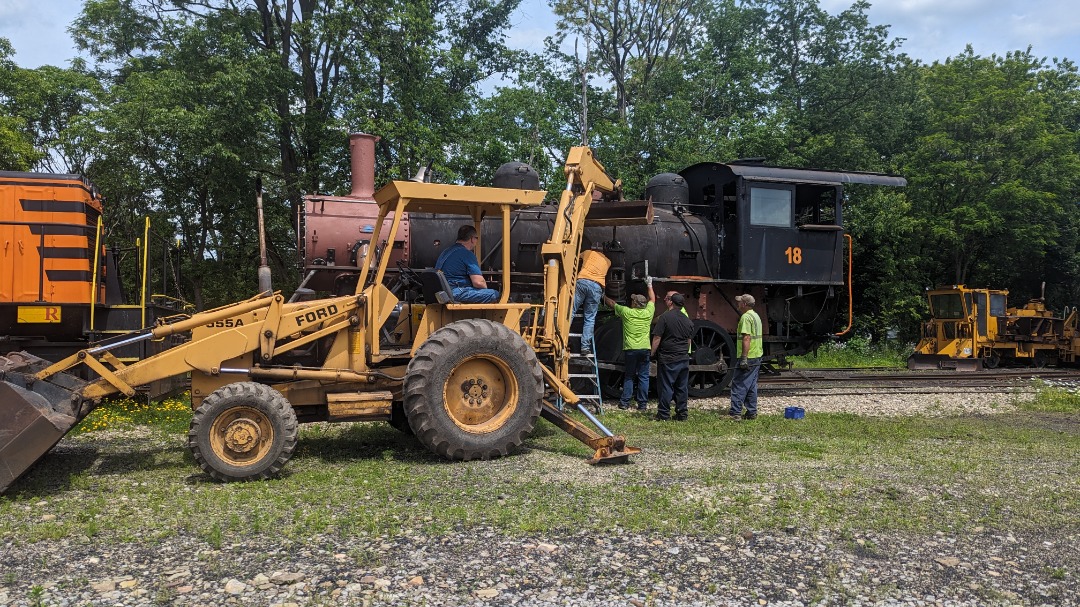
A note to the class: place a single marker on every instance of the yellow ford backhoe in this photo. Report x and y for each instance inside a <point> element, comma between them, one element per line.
<point>469,380</point>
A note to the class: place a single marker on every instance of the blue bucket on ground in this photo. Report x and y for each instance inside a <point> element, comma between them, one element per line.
<point>794,413</point>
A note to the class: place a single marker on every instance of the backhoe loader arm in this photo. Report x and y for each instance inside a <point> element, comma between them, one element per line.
<point>40,403</point>
<point>241,324</point>
<point>264,324</point>
<point>584,175</point>
<point>584,169</point>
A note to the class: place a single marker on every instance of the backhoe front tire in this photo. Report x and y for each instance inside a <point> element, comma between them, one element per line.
<point>473,391</point>
<point>243,431</point>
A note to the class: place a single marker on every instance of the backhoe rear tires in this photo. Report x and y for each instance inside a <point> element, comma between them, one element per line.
<point>243,431</point>
<point>473,391</point>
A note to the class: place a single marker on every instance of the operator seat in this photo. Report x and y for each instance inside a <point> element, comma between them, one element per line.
<point>435,288</point>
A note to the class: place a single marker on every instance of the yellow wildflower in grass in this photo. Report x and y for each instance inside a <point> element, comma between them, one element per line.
<point>170,414</point>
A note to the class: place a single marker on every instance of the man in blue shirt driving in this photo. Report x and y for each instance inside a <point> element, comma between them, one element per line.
<point>462,271</point>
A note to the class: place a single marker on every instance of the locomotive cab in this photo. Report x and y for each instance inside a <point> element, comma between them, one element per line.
<point>779,237</point>
<point>775,225</point>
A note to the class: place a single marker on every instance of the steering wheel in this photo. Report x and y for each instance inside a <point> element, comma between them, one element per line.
<point>408,277</point>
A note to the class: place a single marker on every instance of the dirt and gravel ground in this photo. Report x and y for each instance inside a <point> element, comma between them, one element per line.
<point>791,566</point>
<point>482,567</point>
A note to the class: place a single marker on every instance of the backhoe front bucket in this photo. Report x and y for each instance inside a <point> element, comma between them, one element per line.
<point>34,414</point>
<point>922,362</point>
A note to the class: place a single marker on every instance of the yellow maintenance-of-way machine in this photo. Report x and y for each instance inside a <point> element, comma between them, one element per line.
<point>469,380</point>
<point>970,329</point>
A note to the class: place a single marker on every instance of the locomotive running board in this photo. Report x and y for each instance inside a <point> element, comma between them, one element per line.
<point>621,213</point>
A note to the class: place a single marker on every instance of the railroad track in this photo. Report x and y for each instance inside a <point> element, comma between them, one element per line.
<point>862,381</point>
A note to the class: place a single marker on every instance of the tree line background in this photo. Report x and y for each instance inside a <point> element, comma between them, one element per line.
<point>183,103</point>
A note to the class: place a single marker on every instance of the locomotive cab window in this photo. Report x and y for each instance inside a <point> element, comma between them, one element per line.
<point>815,205</point>
<point>770,207</point>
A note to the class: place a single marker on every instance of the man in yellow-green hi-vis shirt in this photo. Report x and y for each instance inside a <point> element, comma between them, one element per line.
<point>636,321</point>
<point>749,351</point>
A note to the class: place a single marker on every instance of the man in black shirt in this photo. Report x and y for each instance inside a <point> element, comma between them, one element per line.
<point>671,345</point>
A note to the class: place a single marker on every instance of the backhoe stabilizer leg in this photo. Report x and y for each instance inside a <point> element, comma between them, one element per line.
<point>607,449</point>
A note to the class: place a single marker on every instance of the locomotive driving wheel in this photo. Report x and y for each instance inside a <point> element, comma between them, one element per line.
<point>710,344</point>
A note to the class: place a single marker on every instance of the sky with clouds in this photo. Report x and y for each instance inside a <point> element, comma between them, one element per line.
<point>933,29</point>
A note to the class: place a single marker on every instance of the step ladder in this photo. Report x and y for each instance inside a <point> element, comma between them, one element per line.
<point>584,376</point>
<point>584,379</point>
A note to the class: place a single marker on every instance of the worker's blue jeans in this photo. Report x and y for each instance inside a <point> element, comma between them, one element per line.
<point>635,366</point>
<point>587,294</point>
<point>474,295</point>
<point>744,388</point>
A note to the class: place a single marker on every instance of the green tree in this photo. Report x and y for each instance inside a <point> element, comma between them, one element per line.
<point>835,83</point>
<point>203,95</point>
<point>181,132</point>
<point>887,287</point>
<point>629,41</point>
<point>17,151</point>
<point>520,123</point>
<point>51,100</point>
<point>994,176</point>
<point>416,82</point>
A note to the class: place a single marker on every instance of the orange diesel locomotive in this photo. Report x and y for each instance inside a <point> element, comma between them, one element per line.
<point>59,286</point>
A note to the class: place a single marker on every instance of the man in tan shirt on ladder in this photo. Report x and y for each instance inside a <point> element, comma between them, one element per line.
<point>587,293</point>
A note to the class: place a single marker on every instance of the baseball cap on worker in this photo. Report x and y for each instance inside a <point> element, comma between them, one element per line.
<point>637,300</point>
<point>678,300</point>
<point>746,299</point>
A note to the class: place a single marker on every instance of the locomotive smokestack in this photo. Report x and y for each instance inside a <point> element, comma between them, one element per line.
<point>362,154</point>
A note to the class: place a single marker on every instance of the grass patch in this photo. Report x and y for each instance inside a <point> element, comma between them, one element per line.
<point>855,352</point>
<point>1052,399</point>
<point>170,414</point>
<point>137,482</point>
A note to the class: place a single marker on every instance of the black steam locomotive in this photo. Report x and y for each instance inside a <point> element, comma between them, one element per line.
<point>719,230</point>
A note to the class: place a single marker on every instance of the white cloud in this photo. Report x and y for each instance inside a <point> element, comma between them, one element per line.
<point>937,29</point>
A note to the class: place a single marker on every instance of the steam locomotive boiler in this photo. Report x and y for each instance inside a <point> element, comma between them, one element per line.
<point>719,230</point>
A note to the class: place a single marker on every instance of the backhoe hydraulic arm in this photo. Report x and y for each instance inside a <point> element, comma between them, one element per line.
<point>584,175</point>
